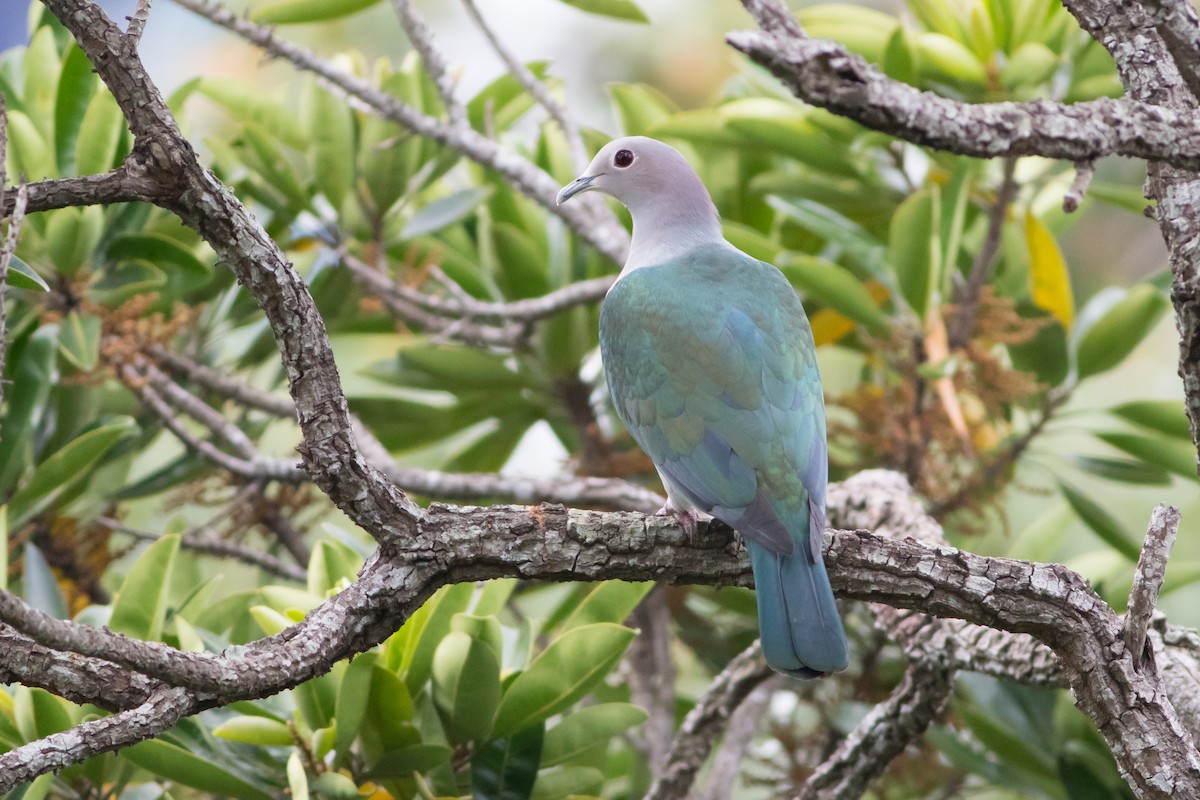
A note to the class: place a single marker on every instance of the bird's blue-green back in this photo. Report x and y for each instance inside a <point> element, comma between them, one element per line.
<point>711,365</point>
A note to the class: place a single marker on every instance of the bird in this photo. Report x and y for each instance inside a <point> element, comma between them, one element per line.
<point>711,366</point>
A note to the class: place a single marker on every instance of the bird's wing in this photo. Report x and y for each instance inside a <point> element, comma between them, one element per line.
<point>711,365</point>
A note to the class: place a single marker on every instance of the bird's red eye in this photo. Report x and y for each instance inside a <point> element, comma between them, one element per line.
<point>623,158</point>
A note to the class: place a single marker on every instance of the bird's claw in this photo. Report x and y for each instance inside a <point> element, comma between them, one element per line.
<point>687,519</point>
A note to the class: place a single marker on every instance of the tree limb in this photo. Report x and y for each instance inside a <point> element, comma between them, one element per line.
<point>826,74</point>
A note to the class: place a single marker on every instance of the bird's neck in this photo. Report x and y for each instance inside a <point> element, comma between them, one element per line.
<point>663,231</point>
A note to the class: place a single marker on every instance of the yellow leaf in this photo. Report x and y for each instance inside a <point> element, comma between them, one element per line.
<point>1049,281</point>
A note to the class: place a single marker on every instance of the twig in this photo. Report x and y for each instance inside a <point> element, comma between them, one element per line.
<point>650,675</point>
<point>739,733</point>
<point>394,297</point>
<point>882,734</point>
<point>536,88</point>
<point>1148,579</point>
<point>602,492</point>
<point>985,258</point>
<point>201,411</point>
<point>198,540</point>
<point>705,723</point>
<point>137,23</point>
<point>591,222</point>
<point>255,468</point>
<point>421,38</point>
<point>1084,172</point>
<point>463,305</point>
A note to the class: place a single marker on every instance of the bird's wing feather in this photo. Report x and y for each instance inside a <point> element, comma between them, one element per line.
<point>711,365</point>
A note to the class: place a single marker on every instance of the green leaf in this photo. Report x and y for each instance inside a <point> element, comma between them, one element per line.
<point>141,604</point>
<point>618,9</point>
<point>418,655</point>
<point>640,108</point>
<point>862,30</point>
<point>503,101</point>
<point>79,340</point>
<point>70,463</point>
<point>402,763</point>
<point>390,709</point>
<point>296,11</point>
<point>1046,354</point>
<point>588,728</point>
<point>331,129</point>
<point>610,601</point>
<point>174,763</point>
<point>247,103</point>
<point>1122,470</point>
<point>859,245</point>
<point>568,781</point>
<point>76,85</point>
<point>447,211</point>
<point>1100,521</point>
<point>1164,416</point>
<point>1174,455</point>
<point>158,250</point>
<point>913,248</point>
<point>261,731</point>
<point>562,674</point>
<point>836,287</point>
<point>466,686</point>
<point>26,397</point>
<point>22,276</point>
<point>899,57</point>
<point>1113,336</point>
<point>99,135</point>
<point>353,693</point>
<point>39,586</point>
<point>506,769</point>
<point>30,153</point>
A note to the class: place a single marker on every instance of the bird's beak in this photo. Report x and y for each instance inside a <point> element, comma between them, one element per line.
<point>577,186</point>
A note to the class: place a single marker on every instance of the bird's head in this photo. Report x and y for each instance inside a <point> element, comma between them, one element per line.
<point>636,171</point>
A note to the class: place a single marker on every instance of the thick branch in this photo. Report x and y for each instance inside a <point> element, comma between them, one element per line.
<point>826,74</point>
<point>455,544</point>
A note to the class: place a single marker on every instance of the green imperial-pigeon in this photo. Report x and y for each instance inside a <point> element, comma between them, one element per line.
<point>711,365</point>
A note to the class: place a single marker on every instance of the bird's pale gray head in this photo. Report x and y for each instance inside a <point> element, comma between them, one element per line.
<point>638,171</point>
<point>672,211</point>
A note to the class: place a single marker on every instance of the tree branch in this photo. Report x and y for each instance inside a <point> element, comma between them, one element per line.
<point>1148,579</point>
<point>883,734</point>
<point>825,74</point>
<point>455,544</point>
<point>1179,28</point>
<point>705,723</point>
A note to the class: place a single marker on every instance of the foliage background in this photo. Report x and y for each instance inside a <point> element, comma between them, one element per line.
<point>85,450</point>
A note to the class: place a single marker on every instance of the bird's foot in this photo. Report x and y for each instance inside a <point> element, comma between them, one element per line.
<point>687,519</point>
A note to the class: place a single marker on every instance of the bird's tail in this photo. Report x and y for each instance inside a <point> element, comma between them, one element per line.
<point>798,619</point>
